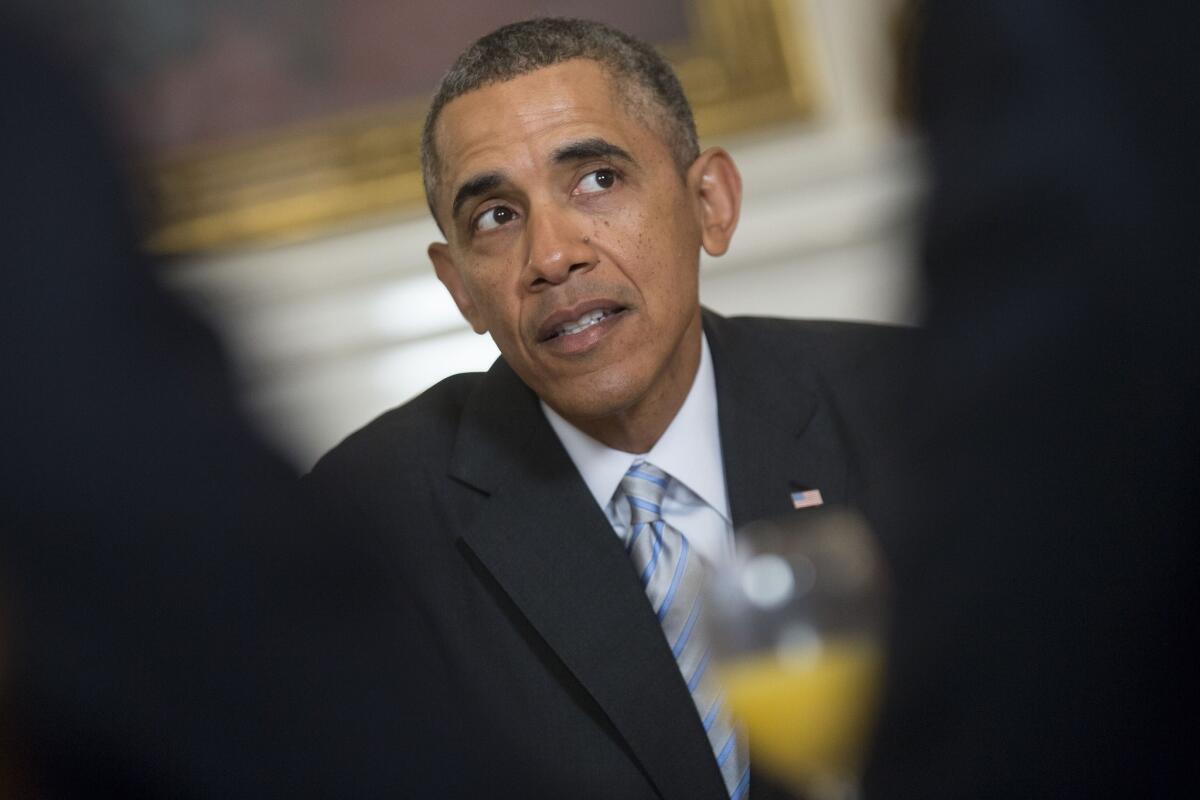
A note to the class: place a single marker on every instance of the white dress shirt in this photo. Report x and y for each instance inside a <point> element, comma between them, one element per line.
<point>689,451</point>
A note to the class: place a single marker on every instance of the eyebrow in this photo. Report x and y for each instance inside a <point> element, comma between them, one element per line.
<point>579,150</point>
<point>584,149</point>
<point>477,185</point>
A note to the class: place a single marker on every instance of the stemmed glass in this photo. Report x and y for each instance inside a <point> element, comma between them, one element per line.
<point>797,628</point>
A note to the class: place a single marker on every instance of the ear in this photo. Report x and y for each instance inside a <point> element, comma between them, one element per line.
<point>451,278</point>
<point>715,182</point>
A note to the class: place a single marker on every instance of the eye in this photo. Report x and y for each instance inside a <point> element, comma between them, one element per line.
<point>494,217</point>
<point>596,181</point>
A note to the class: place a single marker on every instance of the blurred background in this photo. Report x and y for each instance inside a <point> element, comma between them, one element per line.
<point>277,143</point>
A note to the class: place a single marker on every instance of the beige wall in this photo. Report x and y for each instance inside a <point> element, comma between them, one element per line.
<point>332,332</point>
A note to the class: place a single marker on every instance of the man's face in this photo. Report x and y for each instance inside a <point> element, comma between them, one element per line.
<point>573,239</point>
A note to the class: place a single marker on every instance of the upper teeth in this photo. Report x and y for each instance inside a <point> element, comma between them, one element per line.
<point>586,321</point>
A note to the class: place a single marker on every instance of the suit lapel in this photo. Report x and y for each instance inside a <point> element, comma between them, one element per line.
<point>778,429</point>
<point>547,544</point>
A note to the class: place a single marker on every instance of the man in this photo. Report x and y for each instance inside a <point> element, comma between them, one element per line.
<point>561,163</point>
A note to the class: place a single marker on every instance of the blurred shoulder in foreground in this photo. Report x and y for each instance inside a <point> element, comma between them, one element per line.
<point>1047,555</point>
<point>174,622</point>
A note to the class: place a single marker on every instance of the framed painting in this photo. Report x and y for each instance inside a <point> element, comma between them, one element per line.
<point>274,120</point>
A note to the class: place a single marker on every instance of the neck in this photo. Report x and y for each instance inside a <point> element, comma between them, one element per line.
<point>637,428</point>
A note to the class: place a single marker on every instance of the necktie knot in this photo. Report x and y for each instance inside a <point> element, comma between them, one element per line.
<point>644,486</point>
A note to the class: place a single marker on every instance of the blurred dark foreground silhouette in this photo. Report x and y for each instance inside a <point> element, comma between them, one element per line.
<point>1046,572</point>
<point>174,623</point>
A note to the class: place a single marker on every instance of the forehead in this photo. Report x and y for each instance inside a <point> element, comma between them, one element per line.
<point>515,123</point>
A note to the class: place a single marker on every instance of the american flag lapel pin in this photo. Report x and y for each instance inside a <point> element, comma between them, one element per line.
<point>806,498</point>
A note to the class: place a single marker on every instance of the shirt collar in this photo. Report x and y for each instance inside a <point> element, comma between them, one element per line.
<point>689,450</point>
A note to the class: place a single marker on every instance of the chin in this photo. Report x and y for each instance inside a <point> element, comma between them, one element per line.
<point>596,399</point>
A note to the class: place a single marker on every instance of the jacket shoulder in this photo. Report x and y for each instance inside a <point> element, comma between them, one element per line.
<point>860,368</point>
<point>418,434</point>
<point>830,344</point>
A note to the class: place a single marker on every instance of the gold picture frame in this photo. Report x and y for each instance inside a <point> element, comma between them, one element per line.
<point>745,65</point>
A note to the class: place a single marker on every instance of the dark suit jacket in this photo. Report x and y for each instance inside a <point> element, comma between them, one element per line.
<point>531,609</point>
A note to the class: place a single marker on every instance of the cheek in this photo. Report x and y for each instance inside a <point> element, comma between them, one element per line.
<point>492,291</point>
<point>631,238</point>
<point>660,256</point>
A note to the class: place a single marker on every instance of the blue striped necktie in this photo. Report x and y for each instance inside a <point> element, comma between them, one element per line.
<point>673,576</point>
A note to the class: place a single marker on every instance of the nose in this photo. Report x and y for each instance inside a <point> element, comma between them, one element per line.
<point>557,246</point>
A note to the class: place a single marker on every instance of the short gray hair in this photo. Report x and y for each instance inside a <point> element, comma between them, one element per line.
<point>523,47</point>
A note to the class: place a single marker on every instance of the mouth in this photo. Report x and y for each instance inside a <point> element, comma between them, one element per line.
<point>574,321</point>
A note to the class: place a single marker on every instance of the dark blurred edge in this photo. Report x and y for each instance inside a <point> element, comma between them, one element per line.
<point>175,622</point>
<point>1046,568</point>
